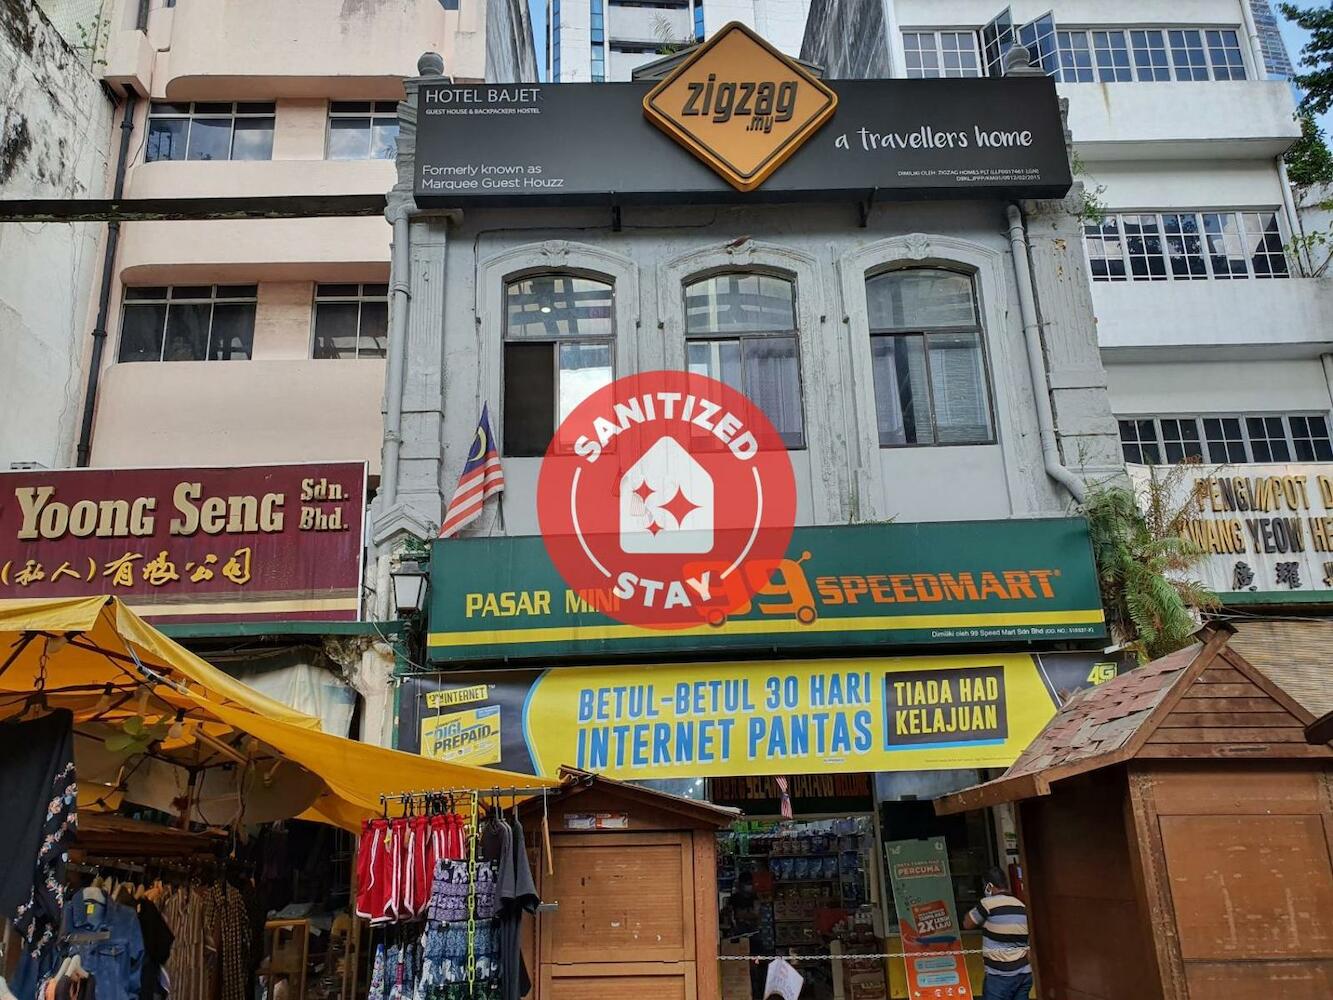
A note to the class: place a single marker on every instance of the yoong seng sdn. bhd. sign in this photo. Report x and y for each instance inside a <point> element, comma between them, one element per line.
<point>773,133</point>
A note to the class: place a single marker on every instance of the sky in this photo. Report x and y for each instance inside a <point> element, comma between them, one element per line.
<point>1294,37</point>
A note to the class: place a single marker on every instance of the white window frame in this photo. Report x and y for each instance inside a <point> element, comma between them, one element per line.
<point>1243,417</point>
<point>936,36</point>
<point>1119,215</point>
<point>1164,30</point>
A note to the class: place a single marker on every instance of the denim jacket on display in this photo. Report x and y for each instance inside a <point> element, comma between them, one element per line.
<point>117,959</point>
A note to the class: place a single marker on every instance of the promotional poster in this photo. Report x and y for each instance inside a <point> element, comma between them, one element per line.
<point>927,919</point>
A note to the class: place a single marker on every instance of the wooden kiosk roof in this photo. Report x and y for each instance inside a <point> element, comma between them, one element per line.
<point>1203,702</point>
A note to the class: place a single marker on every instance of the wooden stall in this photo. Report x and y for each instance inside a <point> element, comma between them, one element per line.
<point>630,894</point>
<point>1176,831</point>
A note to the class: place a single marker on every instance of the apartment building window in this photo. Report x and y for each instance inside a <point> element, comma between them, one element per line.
<point>363,130</point>
<point>698,20</point>
<point>740,328</point>
<point>1226,439</point>
<point>1122,55</point>
<point>188,323</point>
<point>932,54</point>
<point>210,131</point>
<point>598,31</point>
<point>928,359</point>
<point>351,321</point>
<point>558,349</point>
<point>1185,246</point>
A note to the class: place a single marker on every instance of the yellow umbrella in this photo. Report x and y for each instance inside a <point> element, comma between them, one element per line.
<point>101,661</point>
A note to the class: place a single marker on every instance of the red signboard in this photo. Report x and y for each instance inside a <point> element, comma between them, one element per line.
<point>255,542</point>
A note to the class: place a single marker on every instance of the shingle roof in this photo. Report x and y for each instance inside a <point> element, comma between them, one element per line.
<point>1103,719</point>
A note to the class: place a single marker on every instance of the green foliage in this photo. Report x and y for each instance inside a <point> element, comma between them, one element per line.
<point>1093,209</point>
<point>1309,161</point>
<point>667,44</point>
<point>135,736</point>
<point>1316,57</point>
<point>1143,563</point>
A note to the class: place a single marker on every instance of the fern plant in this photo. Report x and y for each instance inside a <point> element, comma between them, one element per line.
<point>1144,564</point>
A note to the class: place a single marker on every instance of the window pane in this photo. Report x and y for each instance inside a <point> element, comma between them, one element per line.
<point>584,368</point>
<point>384,140</point>
<point>558,305</point>
<point>166,139</point>
<point>716,359</point>
<point>374,330</point>
<point>958,380</point>
<point>1106,251</point>
<point>919,298</point>
<point>529,398</point>
<point>773,383</point>
<point>901,406</point>
<point>1226,250</point>
<point>253,139</point>
<point>1187,54</point>
<point>345,107</point>
<point>1226,446</point>
<point>1143,241</point>
<point>1150,62</point>
<point>740,303</point>
<point>141,332</point>
<point>187,332</point>
<point>1268,439</point>
<point>210,139</point>
<point>1129,441</point>
<point>233,334</point>
<point>335,329</point>
<point>1180,437</point>
<point>349,138</point>
<point>1184,246</point>
<point>1075,57</point>
<point>1263,244</point>
<point>1310,435</point>
<point>1112,56</point>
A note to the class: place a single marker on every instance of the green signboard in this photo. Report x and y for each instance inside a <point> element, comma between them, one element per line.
<point>842,587</point>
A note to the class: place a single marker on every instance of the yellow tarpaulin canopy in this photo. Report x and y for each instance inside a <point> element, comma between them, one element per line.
<point>97,658</point>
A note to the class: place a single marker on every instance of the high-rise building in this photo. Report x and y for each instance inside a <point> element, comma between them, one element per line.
<point>1216,339</point>
<point>1276,58</point>
<point>595,41</point>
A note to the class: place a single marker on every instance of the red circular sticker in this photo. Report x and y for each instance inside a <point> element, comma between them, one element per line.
<point>659,496</point>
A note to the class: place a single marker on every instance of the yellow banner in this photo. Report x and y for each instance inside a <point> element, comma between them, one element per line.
<point>469,737</point>
<point>799,716</point>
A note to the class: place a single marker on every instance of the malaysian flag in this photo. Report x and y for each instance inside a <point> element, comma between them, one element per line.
<point>483,477</point>
<point>785,788</point>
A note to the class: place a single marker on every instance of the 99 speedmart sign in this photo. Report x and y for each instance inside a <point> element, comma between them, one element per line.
<point>737,122</point>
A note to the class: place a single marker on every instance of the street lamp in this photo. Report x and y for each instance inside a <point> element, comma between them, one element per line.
<point>409,588</point>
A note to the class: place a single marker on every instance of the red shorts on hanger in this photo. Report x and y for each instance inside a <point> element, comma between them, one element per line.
<point>376,872</point>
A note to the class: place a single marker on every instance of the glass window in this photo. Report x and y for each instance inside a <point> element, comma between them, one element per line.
<point>1143,243</point>
<point>188,323</point>
<point>1227,439</point>
<point>931,54</point>
<point>210,131</point>
<point>363,130</point>
<point>351,321</point>
<point>997,38</point>
<point>1038,37</point>
<point>1263,244</point>
<point>1111,54</point>
<point>559,349</point>
<point>1310,437</point>
<point>1138,442</point>
<point>1106,250</point>
<point>928,359</point>
<point>1180,440</point>
<point>1226,246</point>
<point>1150,58</point>
<point>1187,54</point>
<point>1184,245</point>
<point>1075,57</point>
<point>740,329</point>
<point>1224,54</point>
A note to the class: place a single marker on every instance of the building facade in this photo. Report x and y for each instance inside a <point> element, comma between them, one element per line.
<point>911,337</point>
<point>1213,321</point>
<point>599,41</point>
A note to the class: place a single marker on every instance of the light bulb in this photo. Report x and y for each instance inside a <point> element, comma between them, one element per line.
<point>144,692</point>
<point>104,702</point>
<point>177,730</point>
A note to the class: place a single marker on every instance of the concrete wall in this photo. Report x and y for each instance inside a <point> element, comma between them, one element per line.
<point>55,141</point>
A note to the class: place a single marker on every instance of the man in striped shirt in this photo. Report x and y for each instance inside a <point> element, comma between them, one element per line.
<point>1003,920</point>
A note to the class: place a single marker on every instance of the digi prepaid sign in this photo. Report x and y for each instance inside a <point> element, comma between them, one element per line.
<point>802,140</point>
<point>740,106</point>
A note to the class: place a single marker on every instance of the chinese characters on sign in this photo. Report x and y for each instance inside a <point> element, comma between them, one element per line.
<point>189,544</point>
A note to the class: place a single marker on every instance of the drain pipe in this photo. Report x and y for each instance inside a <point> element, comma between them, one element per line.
<point>84,451</point>
<point>1027,305</point>
<point>399,257</point>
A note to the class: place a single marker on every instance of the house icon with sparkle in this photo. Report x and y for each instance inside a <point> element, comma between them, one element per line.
<point>666,502</point>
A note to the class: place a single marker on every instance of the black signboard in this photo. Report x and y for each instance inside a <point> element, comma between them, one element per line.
<point>590,144</point>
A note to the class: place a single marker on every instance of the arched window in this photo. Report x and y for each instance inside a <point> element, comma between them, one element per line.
<point>929,359</point>
<point>741,329</point>
<point>559,348</point>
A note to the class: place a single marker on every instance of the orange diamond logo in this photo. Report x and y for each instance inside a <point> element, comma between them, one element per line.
<point>740,105</point>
